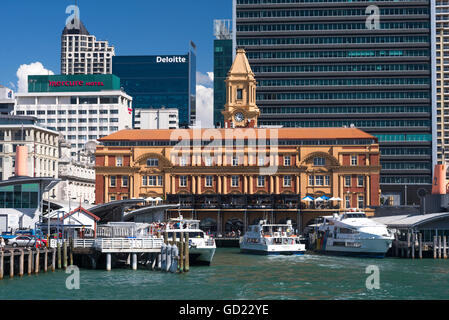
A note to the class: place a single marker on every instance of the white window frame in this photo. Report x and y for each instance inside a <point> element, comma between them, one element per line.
<point>354,160</point>
<point>319,180</point>
<point>327,180</point>
<point>358,181</point>
<point>346,181</point>
<point>115,182</point>
<point>144,181</point>
<point>261,161</point>
<point>320,163</point>
<point>160,180</point>
<point>259,180</point>
<point>183,181</point>
<point>235,161</point>
<point>311,180</point>
<point>235,181</point>
<point>287,161</point>
<point>209,181</point>
<point>119,162</point>
<point>127,181</point>
<point>153,162</point>
<point>360,198</point>
<point>287,181</point>
<point>152,181</point>
<point>348,201</point>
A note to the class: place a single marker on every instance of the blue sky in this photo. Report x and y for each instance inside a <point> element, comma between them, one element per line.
<point>31,29</point>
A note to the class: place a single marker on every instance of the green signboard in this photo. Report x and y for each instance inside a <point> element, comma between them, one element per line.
<point>73,83</point>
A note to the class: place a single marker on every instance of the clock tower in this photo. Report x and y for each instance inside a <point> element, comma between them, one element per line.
<point>240,109</point>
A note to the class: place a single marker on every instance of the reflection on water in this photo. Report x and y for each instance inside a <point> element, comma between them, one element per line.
<point>240,276</point>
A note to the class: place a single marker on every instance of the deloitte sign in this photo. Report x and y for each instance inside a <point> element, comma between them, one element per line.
<point>174,59</point>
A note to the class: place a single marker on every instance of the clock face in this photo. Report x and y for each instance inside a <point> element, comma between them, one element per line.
<point>239,117</point>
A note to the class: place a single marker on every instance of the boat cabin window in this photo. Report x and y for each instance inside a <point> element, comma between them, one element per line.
<point>355,215</point>
<point>196,235</point>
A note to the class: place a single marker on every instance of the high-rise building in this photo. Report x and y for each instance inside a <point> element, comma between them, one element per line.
<point>82,53</point>
<point>160,81</point>
<point>338,63</point>
<point>156,119</point>
<point>442,79</point>
<point>82,108</point>
<point>222,63</point>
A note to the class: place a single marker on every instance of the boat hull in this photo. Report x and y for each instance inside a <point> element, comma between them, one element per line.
<point>273,253</point>
<point>375,248</point>
<point>201,256</point>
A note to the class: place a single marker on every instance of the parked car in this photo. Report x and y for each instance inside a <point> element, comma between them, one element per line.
<point>25,241</point>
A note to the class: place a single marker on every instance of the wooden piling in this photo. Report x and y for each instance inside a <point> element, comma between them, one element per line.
<point>58,248</point>
<point>21,261</point>
<point>45,259</point>
<point>72,246</point>
<point>439,247</point>
<point>2,260</point>
<point>11,263</point>
<point>396,247</point>
<point>166,237</point>
<point>36,265</point>
<point>413,245</point>
<point>53,260</point>
<point>434,247</point>
<point>181,252</point>
<point>408,244</point>
<point>65,254</point>
<point>30,261</point>
<point>420,245</point>
<point>108,262</point>
<point>444,247</point>
<point>186,254</point>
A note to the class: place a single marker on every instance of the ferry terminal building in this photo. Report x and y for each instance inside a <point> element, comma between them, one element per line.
<point>232,177</point>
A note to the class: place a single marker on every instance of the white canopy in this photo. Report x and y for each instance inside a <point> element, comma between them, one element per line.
<point>150,199</point>
<point>334,199</point>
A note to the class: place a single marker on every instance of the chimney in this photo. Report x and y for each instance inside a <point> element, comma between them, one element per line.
<point>21,161</point>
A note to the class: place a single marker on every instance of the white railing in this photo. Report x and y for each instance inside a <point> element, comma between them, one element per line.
<point>83,243</point>
<point>124,243</point>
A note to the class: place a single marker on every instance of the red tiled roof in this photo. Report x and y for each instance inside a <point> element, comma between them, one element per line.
<point>283,133</point>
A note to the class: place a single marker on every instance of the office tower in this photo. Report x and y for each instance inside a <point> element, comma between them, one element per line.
<point>82,53</point>
<point>222,63</point>
<point>442,79</point>
<point>160,81</point>
<point>339,63</point>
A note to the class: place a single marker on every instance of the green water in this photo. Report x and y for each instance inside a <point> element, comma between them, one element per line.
<point>239,276</point>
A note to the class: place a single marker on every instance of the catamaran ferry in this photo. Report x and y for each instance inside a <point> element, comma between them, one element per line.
<point>265,238</point>
<point>352,233</point>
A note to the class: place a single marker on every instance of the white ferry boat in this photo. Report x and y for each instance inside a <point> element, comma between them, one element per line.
<point>265,238</point>
<point>201,246</point>
<point>352,233</point>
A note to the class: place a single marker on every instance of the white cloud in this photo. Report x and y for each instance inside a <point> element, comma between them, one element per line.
<point>35,68</point>
<point>206,80</point>
<point>205,106</point>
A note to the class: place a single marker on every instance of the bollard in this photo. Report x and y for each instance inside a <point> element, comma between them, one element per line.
<point>420,245</point>
<point>434,247</point>
<point>65,254</point>
<point>58,246</point>
<point>2,263</point>
<point>36,264</point>
<point>134,261</point>
<point>45,259</point>
<point>11,264</point>
<point>169,258</point>
<point>163,260</point>
<point>21,261</point>
<point>174,254</point>
<point>181,252</point>
<point>186,254</point>
<point>444,248</point>
<point>108,262</point>
<point>53,260</point>
<point>30,261</point>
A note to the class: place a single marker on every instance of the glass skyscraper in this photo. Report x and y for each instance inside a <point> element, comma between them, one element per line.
<point>158,81</point>
<point>335,63</point>
<point>222,64</point>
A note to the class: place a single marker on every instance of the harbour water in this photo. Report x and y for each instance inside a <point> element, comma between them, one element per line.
<point>240,276</point>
